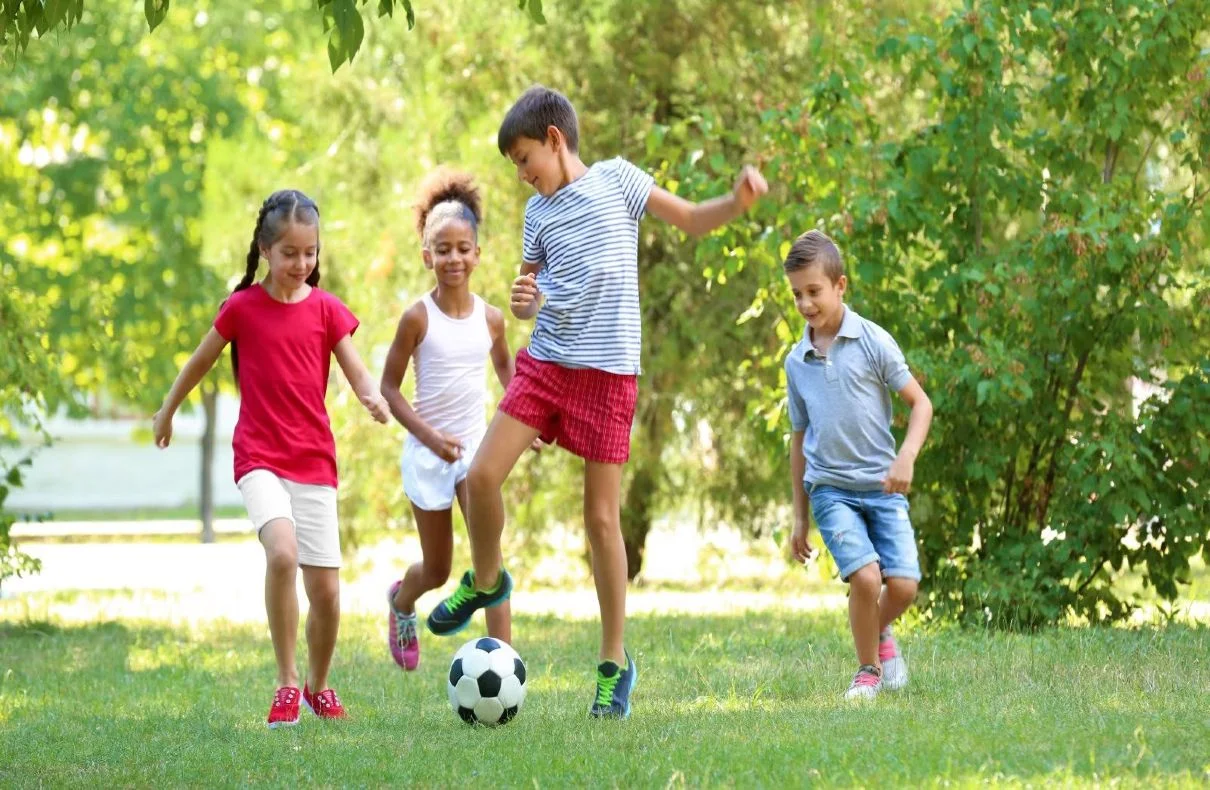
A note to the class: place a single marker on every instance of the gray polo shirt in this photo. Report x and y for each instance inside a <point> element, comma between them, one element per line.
<point>843,403</point>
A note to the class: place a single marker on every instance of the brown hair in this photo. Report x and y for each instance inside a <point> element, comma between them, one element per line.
<point>538,109</point>
<point>278,211</point>
<point>815,248</point>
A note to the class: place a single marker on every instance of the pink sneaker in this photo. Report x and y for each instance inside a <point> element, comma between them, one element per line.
<point>894,667</point>
<point>284,711</point>
<point>866,683</point>
<point>402,637</point>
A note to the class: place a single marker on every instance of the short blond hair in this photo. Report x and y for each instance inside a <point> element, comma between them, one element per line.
<point>815,248</point>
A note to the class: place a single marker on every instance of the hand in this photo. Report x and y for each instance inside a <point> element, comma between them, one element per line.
<point>802,549</point>
<point>524,300</point>
<point>446,447</point>
<point>377,406</point>
<point>749,186</point>
<point>536,445</point>
<point>899,478</point>
<point>161,426</point>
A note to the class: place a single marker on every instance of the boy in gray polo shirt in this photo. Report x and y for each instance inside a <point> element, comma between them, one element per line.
<point>839,380</point>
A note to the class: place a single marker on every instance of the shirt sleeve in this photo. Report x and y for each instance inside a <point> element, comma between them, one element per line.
<point>226,323</point>
<point>892,367</point>
<point>341,321</point>
<point>636,186</point>
<point>794,399</point>
<point>531,249</point>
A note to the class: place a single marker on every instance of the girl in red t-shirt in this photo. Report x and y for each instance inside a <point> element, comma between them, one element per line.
<point>287,330</point>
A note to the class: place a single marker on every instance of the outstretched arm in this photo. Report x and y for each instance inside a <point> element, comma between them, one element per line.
<point>360,379</point>
<point>697,219</point>
<point>191,374</point>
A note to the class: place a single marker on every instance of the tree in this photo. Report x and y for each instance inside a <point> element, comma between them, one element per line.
<point>102,217</point>
<point>1034,243</point>
<point>343,20</point>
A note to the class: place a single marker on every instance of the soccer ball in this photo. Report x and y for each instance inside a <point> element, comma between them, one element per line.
<point>487,682</point>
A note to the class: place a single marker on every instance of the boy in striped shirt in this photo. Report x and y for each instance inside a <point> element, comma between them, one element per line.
<point>577,382</point>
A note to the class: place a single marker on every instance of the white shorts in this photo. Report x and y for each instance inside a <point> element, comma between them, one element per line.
<point>429,481</point>
<point>310,508</point>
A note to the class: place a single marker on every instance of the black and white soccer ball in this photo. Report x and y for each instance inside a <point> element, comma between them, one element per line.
<point>487,682</point>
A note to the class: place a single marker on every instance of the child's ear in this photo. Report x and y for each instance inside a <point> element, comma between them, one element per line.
<point>428,258</point>
<point>555,136</point>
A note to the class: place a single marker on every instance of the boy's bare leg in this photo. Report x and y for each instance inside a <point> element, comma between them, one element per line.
<point>499,618</point>
<point>865,584</point>
<point>896,598</point>
<point>506,439</point>
<point>603,522</point>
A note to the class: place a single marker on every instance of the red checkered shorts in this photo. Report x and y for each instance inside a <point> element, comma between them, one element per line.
<point>588,412</point>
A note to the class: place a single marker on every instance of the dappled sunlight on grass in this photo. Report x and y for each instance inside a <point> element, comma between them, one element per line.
<point>734,699</point>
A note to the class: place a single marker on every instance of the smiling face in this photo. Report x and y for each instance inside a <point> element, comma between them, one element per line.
<point>817,297</point>
<point>538,162</point>
<point>452,252</point>
<point>293,255</point>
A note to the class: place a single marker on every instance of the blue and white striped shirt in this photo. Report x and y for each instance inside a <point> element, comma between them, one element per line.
<point>585,238</point>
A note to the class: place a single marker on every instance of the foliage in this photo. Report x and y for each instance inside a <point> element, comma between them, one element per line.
<point>1034,243</point>
<point>343,20</point>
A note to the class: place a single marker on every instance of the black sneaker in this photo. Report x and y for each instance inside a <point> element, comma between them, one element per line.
<point>614,685</point>
<point>454,613</point>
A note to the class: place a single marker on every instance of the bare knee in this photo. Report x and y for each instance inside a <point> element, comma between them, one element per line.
<point>324,595</point>
<point>866,581</point>
<point>601,523</point>
<point>282,559</point>
<point>434,574</point>
<point>483,477</point>
<point>903,590</point>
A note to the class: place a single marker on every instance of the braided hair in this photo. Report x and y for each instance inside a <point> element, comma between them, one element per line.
<point>279,210</point>
<point>447,195</point>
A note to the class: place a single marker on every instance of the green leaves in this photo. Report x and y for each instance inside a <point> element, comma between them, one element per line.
<point>155,11</point>
<point>534,8</point>
<point>341,19</point>
<point>345,29</point>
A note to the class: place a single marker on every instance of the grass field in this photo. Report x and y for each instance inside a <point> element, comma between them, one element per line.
<point>750,700</point>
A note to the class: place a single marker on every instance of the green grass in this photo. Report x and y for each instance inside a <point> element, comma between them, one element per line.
<point>721,701</point>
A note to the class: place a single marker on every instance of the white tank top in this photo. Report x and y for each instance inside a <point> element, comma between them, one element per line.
<point>451,391</point>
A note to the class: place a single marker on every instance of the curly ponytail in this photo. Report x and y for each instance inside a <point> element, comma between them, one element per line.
<point>447,195</point>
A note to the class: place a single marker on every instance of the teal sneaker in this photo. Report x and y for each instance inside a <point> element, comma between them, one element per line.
<point>454,613</point>
<point>614,685</point>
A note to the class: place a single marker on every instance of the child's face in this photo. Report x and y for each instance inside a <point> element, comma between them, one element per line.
<point>537,163</point>
<point>453,252</point>
<point>818,299</point>
<point>293,256</point>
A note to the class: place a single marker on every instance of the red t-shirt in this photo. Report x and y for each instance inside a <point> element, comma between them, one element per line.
<point>285,351</point>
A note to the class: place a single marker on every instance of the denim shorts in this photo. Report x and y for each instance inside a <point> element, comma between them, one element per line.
<point>860,527</point>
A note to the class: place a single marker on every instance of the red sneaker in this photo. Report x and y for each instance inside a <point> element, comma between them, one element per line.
<point>325,704</point>
<point>284,711</point>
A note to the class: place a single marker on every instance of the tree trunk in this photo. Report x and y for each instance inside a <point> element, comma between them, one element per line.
<point>645,483</point>
<point>206,495</point>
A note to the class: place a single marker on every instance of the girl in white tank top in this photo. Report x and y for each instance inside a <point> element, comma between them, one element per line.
<point>450,333</point>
